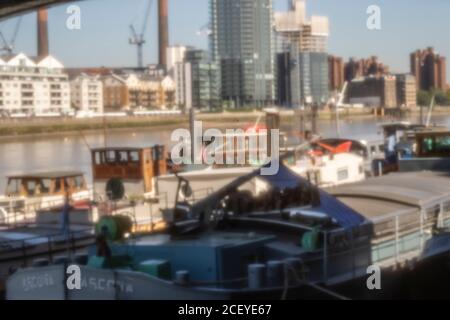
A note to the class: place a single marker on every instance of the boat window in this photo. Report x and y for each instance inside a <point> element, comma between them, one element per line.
<point>343,174</point>
<point>427,145</point>
<point>98,158</point>
<point>66,184</point>
<point>30,187</point>
<point>442,144</point>
<point>58,188</point>
<point>44,186</point>
<point>134,156</point>
<point>13,187</point>
<point>70,183</point>
<point>435,146</point>
<point>157,153</point>
<point>79,182</point>
<point>111,156</point>
<point>123,156</point>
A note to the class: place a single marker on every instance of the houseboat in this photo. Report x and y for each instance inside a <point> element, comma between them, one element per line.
<point>27,193</point>
<point>124,182</point>
<point>369,150</point>
<point>134,168</point>
<point>316,161</point>
<point>430,151</point>
<point>288,239</point>
<point>406,148</point>
<point>32,231</point>
<point>46,239</point>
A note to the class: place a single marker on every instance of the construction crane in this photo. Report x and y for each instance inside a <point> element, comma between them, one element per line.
<point>8,46</point>
<point>138,39</point>
<point>204,30</point>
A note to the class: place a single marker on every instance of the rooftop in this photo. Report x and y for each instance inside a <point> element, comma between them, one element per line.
<point>394,193</point>
<point>119,149</point>
<point>48,175</point>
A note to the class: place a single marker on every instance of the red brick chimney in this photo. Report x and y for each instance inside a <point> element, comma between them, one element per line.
<point>42,33</point>
<point>163,31</point>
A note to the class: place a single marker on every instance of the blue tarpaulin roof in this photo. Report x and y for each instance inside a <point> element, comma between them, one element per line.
<point>329,205</point>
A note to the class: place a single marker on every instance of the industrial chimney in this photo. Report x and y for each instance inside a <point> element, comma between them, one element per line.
<point>42,36</point>
<point>163,34</point>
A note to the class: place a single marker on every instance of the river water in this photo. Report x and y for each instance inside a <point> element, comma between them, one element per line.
<point>25,155</point>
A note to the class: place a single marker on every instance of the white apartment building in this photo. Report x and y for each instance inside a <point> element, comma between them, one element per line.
<point>183,84</point>
<point>176,69</point>
<point>87,93</point>
<point>175,54</point>
<point>33,86</point>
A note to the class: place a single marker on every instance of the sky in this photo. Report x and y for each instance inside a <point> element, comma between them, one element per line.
<point>406,25</point>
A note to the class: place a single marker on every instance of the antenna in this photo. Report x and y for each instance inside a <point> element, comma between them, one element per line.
<point>138,39</point>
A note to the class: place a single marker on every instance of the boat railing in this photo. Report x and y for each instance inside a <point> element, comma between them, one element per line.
<point>26,213</point>
<point>199,194</point>
<point>162,197</point>
<point>26,249</point>
<point>400,242</point>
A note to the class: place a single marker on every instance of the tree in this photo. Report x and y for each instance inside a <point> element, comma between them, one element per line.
<point>423,98</point>
<point>440,97</point>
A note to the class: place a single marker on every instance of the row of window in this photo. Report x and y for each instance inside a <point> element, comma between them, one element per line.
<point>32,102</point>
<point>30,86</point>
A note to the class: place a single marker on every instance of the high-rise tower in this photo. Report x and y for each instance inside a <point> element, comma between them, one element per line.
<point>242,43</point>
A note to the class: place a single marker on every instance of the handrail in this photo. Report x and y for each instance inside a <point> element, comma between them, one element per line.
<point>23,242</point>
<point>31,207</point>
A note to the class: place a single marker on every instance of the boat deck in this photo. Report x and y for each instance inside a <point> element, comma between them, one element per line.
<point>395,193</point>
<point>36,235</point>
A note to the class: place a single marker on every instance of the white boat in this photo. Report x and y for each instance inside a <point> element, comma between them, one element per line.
<point>27,193</point>
<point>324,171</point>
<point>331,170</point>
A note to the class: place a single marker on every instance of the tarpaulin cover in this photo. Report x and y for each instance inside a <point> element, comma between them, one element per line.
<point>329,205</point>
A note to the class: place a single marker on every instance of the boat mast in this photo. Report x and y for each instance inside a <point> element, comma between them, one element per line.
<point>338,105</point>
<point>430,110</point>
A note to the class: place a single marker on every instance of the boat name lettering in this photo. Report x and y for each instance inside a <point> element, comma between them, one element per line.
<point>39,281</point>
<point>105,284</point>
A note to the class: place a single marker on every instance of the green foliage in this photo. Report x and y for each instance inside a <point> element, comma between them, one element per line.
<point>423,98</point>
<point>441,98</point>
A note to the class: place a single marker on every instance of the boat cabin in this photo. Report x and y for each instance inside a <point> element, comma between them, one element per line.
<point>433,144</point>
<point>406,150</point>
<point>431,153</point>
<point>134,167</point>
<point>45,184</point>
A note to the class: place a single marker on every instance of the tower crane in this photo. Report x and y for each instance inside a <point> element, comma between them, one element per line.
<point>8,46</point>
<point>139,39</point>
<point>204,30</point>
